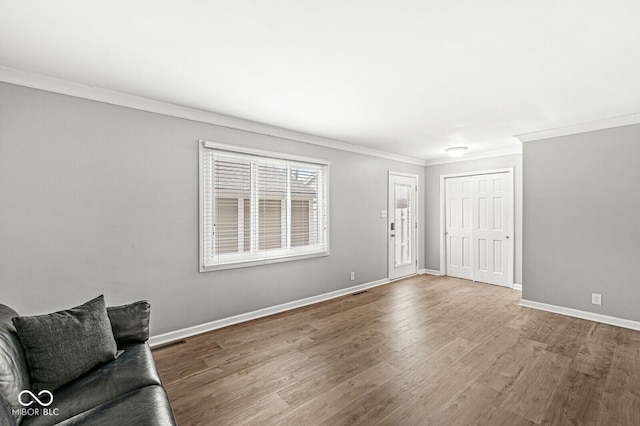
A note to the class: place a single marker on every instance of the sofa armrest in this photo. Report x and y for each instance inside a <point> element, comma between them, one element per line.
<point>130,323</point>
<point>6,418</point>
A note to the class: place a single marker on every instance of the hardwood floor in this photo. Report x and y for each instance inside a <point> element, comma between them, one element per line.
<point>421,351</point>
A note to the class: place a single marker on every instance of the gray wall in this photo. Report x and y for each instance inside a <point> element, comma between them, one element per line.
<point>97,198</point>
<point>581,229</point>
<point>432,206</point>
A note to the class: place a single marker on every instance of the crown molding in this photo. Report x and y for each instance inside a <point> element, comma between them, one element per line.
<point>478,156</point>
<point>69,88</point>
<point>608,123</point>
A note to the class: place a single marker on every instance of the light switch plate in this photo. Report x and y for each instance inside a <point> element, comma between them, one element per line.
<point>383,213</point>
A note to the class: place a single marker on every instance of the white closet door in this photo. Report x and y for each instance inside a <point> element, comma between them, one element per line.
<point>459,227</point>
<point>477,227</point>
<point>491,245</point>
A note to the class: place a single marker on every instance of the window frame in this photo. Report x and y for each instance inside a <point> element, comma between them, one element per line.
<point>285,255</point>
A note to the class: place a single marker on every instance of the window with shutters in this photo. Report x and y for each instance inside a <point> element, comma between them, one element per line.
<point>260,207</point>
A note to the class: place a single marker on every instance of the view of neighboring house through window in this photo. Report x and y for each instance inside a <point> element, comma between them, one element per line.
<point>260,206</point>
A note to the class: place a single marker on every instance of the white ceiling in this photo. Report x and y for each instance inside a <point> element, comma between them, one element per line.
<point>408,77</point>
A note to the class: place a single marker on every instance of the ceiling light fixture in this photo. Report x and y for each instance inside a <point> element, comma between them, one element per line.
<point>456,151</point>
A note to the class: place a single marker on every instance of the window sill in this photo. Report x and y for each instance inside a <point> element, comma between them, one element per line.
<point>248,264</point>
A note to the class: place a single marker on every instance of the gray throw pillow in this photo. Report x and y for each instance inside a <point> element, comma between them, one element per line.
<point>130,323</point>
<point>63,345</point>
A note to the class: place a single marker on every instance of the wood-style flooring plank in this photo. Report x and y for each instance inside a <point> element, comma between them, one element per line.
<point>595,355</point>
<point>420,351</point>
<point>321,408</point>
<point>476,405</point>
<point>301,391</point>
<point>624,372</point>
<point>619,408</point>
<point>533,392</point>
<point>577,401</point>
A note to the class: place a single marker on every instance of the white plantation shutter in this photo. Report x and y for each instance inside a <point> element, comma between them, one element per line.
<point>260,207</point>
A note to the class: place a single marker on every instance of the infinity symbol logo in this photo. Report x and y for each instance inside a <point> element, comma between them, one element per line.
<point>42,392</point>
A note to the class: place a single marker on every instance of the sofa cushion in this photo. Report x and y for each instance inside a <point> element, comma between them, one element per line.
<point>14,372</point>
<point>148,406</point>
<point>63,345</point>
<point>130,323</point>
<point>134,368</point>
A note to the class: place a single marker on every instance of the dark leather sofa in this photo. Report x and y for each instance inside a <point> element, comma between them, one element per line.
<point>125,391</point>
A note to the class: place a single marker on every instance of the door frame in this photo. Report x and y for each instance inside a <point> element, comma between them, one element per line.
<point>443,224</point>
<point>389,217</point>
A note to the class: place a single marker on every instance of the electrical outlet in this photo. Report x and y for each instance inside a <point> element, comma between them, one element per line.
<point>353,276</point>
<point>596,299</point>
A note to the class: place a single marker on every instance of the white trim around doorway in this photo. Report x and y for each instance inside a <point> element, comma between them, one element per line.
<point>443,242</point>
<point>417,229</point>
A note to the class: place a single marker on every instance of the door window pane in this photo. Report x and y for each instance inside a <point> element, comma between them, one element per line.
<point>403,224</point>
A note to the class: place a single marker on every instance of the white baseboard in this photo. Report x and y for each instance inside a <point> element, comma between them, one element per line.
<point>224,322</point>
<point>605,319</point>
<point>517,286</point>
<point>430,272</point>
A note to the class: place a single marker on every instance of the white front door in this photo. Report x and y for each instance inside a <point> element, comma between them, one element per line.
<point>402,225</point>
<point>478,222</point>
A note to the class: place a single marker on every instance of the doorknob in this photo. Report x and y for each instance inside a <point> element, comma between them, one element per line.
<point>507,237</point>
